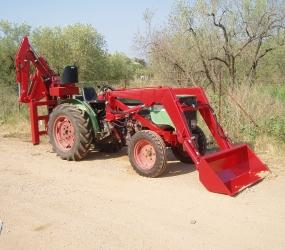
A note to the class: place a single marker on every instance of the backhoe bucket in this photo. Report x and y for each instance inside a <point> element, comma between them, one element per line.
<point>230,171</point>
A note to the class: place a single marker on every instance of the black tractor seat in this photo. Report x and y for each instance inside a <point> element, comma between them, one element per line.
<point>89,95</point>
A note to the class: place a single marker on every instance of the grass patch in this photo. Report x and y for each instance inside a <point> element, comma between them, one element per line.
<point>14,118</point>
<point>276,90</point>
<point>266,109</point>
<point>279,92</point>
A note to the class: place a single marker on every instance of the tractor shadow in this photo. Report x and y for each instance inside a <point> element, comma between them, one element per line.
<point>99,155</point>
<point>177,168</point>
<point>174,167</point>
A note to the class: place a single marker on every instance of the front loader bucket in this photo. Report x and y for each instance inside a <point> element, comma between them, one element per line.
<point>230,171</point>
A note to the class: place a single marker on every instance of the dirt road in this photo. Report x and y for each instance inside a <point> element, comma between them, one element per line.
<point>100,203</point>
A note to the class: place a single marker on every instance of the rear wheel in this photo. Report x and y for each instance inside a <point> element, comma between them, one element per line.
<point>201,145</point>
<point>70,132</point>
<point>147,153</point>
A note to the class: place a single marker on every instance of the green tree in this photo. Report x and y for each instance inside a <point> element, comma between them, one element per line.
<point>77,44</point>
<point>122,67</point>
<point>205,38</point>
<point>10,36</point>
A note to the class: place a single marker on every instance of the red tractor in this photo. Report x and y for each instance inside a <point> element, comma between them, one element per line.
<point>147,120</point>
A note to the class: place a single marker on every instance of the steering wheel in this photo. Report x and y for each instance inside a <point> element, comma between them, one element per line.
<point>105,88</point>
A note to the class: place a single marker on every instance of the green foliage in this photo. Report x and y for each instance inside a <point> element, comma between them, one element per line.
<point>76,44</point>
<point>11,110</point>
<point>276,127</point>
<point>279,92</point>
<point>122,67</point>
<point>271,69</point>
<point>275,90</point>
<point>257,101</point>
<point>10,37</point>
<point>243,40</point>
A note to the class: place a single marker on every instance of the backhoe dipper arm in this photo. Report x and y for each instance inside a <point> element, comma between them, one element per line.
<point>33,86</point>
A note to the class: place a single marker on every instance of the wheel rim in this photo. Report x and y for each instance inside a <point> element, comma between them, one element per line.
<point>63,132</point>
<point>145,155</point>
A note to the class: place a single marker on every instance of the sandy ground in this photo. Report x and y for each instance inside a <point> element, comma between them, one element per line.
<point>100,203</point>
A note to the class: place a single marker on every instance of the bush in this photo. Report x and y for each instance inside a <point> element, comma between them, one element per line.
<point>13,116</point>
<point>265,108</point>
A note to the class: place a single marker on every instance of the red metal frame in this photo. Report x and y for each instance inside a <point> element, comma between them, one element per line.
<point>227,171</point>
<point>35,118</point>
<point>41,88</point>
<point>168,98</point>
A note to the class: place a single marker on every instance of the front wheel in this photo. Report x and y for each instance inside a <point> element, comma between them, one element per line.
<point>147,153</point>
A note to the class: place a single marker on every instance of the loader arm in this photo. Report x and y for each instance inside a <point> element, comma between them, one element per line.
<point>227,171</point>
<point>168,98</point>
